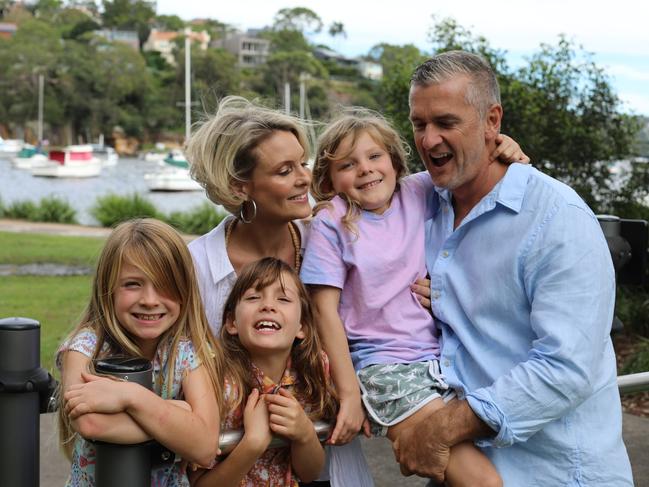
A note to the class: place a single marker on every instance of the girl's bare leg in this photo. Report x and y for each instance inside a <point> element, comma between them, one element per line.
<point>467,466</point>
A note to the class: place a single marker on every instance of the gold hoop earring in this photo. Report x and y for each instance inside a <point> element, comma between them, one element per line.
<point>242,211</point>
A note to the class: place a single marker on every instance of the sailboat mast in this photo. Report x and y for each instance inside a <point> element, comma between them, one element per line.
<point>41,88</point>
<point>188,95</point>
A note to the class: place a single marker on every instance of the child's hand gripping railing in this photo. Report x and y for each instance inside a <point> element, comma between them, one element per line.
<point>26,390</point>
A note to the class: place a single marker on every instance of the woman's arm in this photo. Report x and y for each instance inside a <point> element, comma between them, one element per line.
<point>193,434</point>
<point>288,419</point>
<point>113,428</point>
<point>255,440</point>
<point>351,417</point>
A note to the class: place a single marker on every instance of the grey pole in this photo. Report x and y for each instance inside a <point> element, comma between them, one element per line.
<point>21,380</point>
<point>124,465</point>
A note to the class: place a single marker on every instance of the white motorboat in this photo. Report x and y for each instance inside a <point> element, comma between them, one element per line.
<point>10,147</point>
<point>28,157</point>
<point>106,155</point>
<point>75,161</point>
<point>171,178</point>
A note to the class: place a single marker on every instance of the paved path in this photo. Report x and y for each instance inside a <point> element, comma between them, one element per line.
<point>54,466</point>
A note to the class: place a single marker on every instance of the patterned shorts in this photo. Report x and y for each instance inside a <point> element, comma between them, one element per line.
<point>393,392</point>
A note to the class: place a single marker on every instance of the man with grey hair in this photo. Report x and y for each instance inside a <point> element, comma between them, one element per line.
<point>523,289</point>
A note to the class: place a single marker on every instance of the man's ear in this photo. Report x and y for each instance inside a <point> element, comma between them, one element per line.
<point>493,119</point>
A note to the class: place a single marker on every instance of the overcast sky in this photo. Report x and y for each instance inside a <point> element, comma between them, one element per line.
<point>617,31</point>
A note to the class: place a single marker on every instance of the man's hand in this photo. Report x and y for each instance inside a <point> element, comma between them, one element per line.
<point>420,450</point>
<point>424,447</point>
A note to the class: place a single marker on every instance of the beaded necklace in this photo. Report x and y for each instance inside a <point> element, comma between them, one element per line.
<point>295,238</point>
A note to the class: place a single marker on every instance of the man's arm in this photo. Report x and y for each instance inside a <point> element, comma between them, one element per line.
<point>424,447</point>
<point>570,282</point>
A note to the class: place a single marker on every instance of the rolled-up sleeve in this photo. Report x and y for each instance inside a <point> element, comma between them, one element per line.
<point>570,283</point>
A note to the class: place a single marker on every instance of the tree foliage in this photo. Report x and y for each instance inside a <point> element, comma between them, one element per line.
<point>559,106</point>
<point>301,19</point>
<point>135,15</point>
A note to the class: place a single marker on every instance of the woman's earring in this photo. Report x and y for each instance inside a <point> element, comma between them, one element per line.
<point>242,212</point>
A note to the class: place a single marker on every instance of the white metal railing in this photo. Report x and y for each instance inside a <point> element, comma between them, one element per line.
<point>633,383</point>
<point>627,384</point>
<point>230,438</point>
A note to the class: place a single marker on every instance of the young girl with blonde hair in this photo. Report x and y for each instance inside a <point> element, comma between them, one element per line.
<point>276,381</point>
<point>365,250</point>
<point>144,303</point>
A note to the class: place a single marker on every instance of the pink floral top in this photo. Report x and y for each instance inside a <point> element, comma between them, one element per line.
<point>83,456</point>
<point>273,467</point>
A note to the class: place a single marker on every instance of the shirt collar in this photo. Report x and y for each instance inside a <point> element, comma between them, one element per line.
<point>217,255</point>
<point>268,386</point>
<point>509,191</point>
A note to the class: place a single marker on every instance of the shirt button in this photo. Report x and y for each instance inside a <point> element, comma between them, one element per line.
<point>445,209</point>
<point>445,254</point>
<point>435,294</point>
<point>447,363</point>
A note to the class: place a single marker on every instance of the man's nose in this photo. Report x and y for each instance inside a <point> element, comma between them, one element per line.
<point>431,137</point>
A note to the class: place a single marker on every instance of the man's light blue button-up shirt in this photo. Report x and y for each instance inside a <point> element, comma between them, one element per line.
<point>523,291</point>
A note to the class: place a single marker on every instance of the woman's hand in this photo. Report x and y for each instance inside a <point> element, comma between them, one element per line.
<point>256,424</point>
<point>97,395</point>
<point>350,420</point>
<point>421,288</point>
<point>287,418</point>
<point>508,151</point>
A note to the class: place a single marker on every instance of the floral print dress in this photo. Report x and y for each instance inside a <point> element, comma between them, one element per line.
<point>273,467</point>
<point>83,456</point>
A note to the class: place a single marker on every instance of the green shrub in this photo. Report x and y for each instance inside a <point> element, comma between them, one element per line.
<point>196,221</point>
<point>112,209</point>
<point>639,362</point>
<point>22,210</point>
<point>57,210</point>
<point>632,308</point>
<point>2,208</point>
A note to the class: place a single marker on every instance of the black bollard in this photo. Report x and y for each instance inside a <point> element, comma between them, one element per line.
<point>124,465</point>
<point>22,381</point>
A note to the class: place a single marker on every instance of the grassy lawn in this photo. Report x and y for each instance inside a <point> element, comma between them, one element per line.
<point>26,248</point>
<point>55,301</point>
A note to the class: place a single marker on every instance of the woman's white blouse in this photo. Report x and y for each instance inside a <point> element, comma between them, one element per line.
<point>345,464</point>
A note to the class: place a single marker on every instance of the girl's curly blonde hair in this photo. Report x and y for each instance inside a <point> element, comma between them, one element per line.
<point>352,122</point>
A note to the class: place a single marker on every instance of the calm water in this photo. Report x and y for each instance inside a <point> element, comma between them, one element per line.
<point>126,178</point>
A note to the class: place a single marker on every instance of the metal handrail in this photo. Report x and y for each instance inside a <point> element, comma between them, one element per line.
<point>627,384</point>
<point>230,438</point>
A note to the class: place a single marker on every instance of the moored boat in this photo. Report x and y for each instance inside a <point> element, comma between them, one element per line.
<point>171,179</point>
<point>106,154</point>
<point>28,157</point>
<point>74,161</point>
<point>176,158</point>
<point>10,147</point>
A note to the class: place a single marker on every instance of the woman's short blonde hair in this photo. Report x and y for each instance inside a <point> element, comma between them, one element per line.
<point>222,149</point>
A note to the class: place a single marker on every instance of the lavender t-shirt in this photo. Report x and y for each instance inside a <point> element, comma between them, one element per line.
<point>383,320</point>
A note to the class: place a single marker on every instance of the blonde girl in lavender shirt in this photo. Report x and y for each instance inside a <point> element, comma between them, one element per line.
<point>365,250</point>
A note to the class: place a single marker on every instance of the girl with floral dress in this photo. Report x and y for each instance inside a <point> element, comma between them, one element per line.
<point>276,381</point>
<point>145,303</point>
